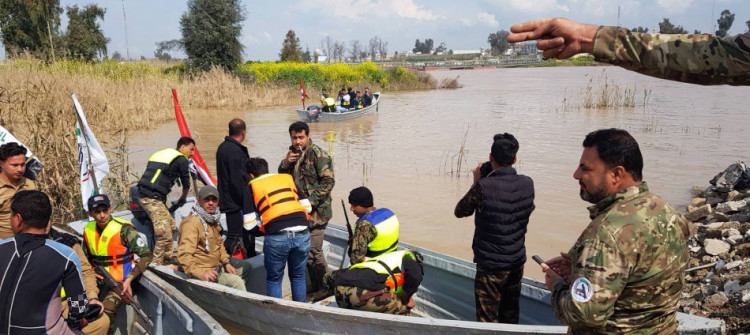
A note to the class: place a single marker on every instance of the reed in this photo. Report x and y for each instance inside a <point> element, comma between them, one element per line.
<point>602,93</point>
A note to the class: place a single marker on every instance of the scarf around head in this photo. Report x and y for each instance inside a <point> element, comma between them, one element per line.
<point>206,218</point>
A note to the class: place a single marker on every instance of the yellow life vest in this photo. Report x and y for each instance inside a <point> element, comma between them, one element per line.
<point>153,178</point>
<point>387,227</point>
<point>108,250</point>
<point>388,264</point>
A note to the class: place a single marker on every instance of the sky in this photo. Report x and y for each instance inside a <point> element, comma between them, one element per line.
<point>461,25</point>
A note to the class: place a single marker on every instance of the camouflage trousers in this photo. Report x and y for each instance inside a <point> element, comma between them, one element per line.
<point>383,301</point>
<point>99,326</point>
<point>111,302</point>
<point>164,228</point>
<point>497,294</point>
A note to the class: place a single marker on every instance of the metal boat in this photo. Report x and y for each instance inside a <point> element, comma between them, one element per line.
<point>314,114</point>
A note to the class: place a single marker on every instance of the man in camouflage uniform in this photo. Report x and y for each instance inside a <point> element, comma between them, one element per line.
<point>625,272</point>
<point>99,243</point>
<point>692,58</point>
<point>312,169</point>
<point>375,232</point>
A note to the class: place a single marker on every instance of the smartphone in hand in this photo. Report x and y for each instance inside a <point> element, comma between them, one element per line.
<point>538,259</point>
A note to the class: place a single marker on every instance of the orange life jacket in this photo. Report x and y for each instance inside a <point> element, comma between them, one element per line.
<point>107,248</point>
<point>275,195</point>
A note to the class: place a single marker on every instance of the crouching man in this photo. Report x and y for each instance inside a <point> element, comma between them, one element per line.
<point>383,284</point>
<point>200,250</point>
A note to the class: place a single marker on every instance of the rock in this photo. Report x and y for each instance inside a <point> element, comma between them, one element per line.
<point>709,290</point>
<point>730,206</point>
<point>699,213</point>
<point>715,247</point>
<point>709,277</point>
<point>720,216</point>
<point>689,303</point>
<point>730,232</point>
<point>735,264</point>
<point>731,224</point>
<point>734,176</point>
<point>731,287</point>
<point>715,301</point>
<point>745,295</point>
<point>734,239</point>
<point>697,202</point>
<point>731,196</point>
<point>713,225</point>
<point>712,201</point>
<point>696,191</point>
<point>743,250</point>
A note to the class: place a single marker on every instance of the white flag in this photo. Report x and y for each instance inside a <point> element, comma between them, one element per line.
<point>87,143</point>
<point>33,165</point>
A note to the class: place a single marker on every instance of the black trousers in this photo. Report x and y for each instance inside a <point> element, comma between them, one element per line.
<point>237,233</point>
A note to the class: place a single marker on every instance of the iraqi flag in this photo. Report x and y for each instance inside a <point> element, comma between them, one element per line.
<point>302,91</point>
<point>33,165</point>
<point>89,151</point>
<point>197,165</point>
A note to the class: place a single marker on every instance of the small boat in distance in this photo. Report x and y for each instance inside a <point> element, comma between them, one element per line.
<point>315,113</point>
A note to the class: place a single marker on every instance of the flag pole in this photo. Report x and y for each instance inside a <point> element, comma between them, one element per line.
<point>92,175</point>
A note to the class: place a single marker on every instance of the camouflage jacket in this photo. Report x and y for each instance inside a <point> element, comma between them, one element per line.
<point>628,267</point>
<point>364,233</point>
<point>693,58</point>
<point>132,241</point>
<point>313,172</point>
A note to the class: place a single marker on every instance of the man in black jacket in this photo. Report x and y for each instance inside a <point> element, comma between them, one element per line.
<point>502,202</point>
<point>235,196</point>
<point>33,271</point>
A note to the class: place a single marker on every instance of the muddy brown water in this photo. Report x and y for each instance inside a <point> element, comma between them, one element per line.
<point>407,154</point>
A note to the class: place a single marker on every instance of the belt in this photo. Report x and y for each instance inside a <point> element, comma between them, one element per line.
<point>291,233</point>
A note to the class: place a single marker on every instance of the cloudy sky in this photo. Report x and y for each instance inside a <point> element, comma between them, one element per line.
<point>460,24</point>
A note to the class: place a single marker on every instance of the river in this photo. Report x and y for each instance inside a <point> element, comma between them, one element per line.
<point>407,154</point>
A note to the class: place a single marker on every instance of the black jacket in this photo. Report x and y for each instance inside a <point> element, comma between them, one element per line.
<point>500,223</point>
<point>33,270</point>
<point>233,178</point>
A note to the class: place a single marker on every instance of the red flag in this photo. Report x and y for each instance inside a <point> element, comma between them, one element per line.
<point>185,132</point>
<point>302,91</point>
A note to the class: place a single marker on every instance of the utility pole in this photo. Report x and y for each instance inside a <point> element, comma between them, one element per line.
<point>618,16</point>
<point>49,32</point>
<point>125,21</point>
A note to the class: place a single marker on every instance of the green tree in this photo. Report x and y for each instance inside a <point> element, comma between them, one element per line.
<point>498,42</point>
<point>639,29</point>
<point>307,56</point>
<point>291,51</point>
<point>423,47</point>
<point>666,27</point>
<point>748,25</point>
<point>725,22</point>
<point>116,56</point>
<point>210,33</point>
<point>163,49</point>
<point>29,26</point>
<point>84,39</point>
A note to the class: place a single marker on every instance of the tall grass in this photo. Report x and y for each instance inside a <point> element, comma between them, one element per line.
<point>603,93</point>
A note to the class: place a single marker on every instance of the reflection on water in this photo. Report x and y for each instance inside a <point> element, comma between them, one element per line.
<point>406,152</point>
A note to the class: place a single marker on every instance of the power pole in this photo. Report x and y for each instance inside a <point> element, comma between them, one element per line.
<point>618,16</point>
<point>49,32</point>
<point>125,21</point>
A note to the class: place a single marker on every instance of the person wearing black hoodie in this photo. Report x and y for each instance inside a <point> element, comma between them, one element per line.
<point>235,196</point>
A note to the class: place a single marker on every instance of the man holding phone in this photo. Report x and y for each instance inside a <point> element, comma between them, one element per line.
<point>502,202</point>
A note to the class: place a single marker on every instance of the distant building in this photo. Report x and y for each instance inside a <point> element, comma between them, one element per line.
<point>322,58</point>
<point>523,48</point>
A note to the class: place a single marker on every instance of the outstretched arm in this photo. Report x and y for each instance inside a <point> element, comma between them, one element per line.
<point>558,37</point>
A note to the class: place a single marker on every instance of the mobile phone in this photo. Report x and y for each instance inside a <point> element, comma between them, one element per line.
<point>537,259</point>
<point>294,149</point>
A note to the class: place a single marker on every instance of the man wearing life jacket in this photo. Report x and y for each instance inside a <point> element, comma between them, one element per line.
<point>375,232</point>
<point>113,243</point>
<point>164,168</point>
<point>282,212</point>
<point>383,284</point>
<point>329,105</point>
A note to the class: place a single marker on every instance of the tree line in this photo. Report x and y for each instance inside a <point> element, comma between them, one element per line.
<point>335,51</point>
<point>724,23</point>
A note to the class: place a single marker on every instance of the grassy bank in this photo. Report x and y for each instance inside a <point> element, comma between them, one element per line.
<point>35,105</point>
<point>582,60</point>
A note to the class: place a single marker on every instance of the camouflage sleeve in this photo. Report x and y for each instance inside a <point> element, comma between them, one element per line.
<point>286,168</point>
<point>89,279</point>
<point>470,202</point>
<point>324,168</point>
<point>598,276</point>
<point>138,246</point>
<point>693,58</point>
<point>363,235</point>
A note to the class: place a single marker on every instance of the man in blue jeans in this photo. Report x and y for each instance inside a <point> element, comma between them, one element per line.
<point>282,212</point>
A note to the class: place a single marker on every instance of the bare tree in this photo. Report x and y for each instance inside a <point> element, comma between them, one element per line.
<point>383,49</point>
<point>355,51</point>
<point>338,50</point>
<point>327,46</point>
<point>374,43</point>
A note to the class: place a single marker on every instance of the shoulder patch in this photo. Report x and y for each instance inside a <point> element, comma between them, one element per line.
<point>140,242</point>
<point>581,290</point>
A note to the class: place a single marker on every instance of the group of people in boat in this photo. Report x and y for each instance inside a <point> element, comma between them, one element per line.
<point>345,101</point>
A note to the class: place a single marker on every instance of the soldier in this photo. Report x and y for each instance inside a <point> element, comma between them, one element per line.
<point>312,170</point>
<point>693,58</point>
<point>12,167</point>
<point>112,243</point>
<point>625,272</point>
<point>370,286</point>
<point>163,169</point>
<point>375,232</point>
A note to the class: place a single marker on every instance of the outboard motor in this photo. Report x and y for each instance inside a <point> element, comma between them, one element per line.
<point>313,112</point>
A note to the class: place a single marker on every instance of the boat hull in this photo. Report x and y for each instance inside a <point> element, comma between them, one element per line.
<point>333,117</point>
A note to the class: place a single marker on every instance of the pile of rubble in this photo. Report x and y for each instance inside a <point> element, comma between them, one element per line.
<point>718,276</point>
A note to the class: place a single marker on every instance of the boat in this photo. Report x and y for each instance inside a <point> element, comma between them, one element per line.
<point>444,302</point>
<point>315,114</point>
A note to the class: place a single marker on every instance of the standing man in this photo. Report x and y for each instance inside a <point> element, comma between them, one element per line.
<point>235,197</point>
<point>692,58</point>
<point>33,270</point>
<point>162,171</point>
<point>375,232</point>
<point>113,243</point>
<point>283,210</point>
<point>12,167</point>
<point>502,203</point>
<point>367,97</point>
<point>625,272</point>
<point>201,249</point>
<point>312,170</point>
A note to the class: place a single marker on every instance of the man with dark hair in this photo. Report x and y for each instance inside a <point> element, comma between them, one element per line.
<point>626,271</point>
<point>235,197</point>
<point>283,215</point>
<point>164,168</point>
<point>12,168</point>
<point>375,232</point>
<point>34,269</point>
<point>312,170</point>
<point>367,97</point>
<point>502,202</point>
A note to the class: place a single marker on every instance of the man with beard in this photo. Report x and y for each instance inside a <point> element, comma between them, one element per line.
<point>625,272</point>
